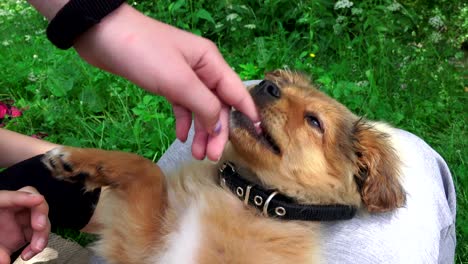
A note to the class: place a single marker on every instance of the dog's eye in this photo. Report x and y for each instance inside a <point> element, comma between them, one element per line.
<point>313,121</point>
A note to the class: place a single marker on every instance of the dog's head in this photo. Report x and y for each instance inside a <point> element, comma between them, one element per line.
<point>314,149</point>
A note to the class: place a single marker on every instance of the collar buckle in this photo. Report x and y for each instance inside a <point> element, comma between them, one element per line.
<point>247,194</point>
<point>227,169</point>
<point>267,203</point>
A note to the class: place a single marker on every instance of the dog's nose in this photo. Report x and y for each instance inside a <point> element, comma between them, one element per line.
<point>268,88</point>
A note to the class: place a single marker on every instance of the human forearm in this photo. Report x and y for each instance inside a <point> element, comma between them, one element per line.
<point>15,147</point>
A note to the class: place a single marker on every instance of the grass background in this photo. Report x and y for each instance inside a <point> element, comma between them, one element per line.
<point>403,62</point>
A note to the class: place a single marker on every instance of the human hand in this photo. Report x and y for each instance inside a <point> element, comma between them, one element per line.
<point>186,69</point>
<point>23,219</point>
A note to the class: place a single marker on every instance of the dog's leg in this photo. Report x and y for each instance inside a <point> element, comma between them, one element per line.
<point>130,209</point>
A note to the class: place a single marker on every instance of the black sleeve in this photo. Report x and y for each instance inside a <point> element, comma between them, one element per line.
<point>69,205</point>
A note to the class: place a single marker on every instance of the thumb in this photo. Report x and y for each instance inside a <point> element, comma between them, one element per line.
<point>218,76</point>
<point>4,256</point>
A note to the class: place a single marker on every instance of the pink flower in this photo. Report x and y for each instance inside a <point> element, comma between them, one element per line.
<point>40,135</point>
<point>14,112</point>
<point>3,110</point>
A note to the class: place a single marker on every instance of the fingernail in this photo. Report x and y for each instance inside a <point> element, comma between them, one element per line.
<point>42,221</point>
<point>217,128</point>
<point>214,162</point>
<point>258,127</point>
<point>41,243</point>
<point>27,256</point>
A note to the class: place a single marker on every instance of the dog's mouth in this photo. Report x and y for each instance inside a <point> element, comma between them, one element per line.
<point>257,131</point>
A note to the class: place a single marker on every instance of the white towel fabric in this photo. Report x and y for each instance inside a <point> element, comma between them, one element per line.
<point>60,251</point>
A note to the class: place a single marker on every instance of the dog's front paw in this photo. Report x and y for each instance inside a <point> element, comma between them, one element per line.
<point>95,167</point>
<point>58,162</point>
<point>76,165</point>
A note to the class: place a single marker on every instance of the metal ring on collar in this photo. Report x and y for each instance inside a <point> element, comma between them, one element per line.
<point>258,200</point>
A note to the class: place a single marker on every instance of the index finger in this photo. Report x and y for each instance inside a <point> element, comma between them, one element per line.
<point>39,211</point>
<point>40,226</point>
<point>216,74</point>
<point>9,199</point>
<point>238,98</point>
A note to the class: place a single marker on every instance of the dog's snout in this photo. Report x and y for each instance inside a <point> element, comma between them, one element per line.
<point>266,91</point>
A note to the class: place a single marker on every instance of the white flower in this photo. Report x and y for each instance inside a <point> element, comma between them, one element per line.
<point>342,4</point>
<point>340,19</point>
<point>435,37</point>
<point>32,77</point>
<point>6,43</point>
<point>356,11</point>
<point>5,13</point>
<point>337,29</point>
<point>395,6</point>
<point>362,83</point>
<point>232,16</point>
<point>250,26</point>
<point>436,22</point>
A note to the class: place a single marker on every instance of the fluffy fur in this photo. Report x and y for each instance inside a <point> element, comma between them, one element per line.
<point>312,148</point>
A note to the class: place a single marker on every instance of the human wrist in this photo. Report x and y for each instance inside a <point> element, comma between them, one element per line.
<point>77,17</point>
<point>102,39</point>
<point>15,147</point>
<point>132,45</point>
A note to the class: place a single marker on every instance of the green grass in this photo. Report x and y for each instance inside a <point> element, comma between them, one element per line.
<point>399,63</point>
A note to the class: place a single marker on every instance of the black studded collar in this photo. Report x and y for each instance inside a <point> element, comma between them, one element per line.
<point>274,204</point>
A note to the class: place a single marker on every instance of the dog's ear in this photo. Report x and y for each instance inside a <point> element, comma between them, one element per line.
<point>281,77</point>
<point>378,169</point>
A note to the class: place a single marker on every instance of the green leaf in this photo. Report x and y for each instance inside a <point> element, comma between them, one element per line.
<point>147,99</point>
<point>371,49</point>
<point>197,32</point>
<point>325,80</point>
<point>91,98</point>
<point>381,29</point>
<point>303,54</point>
<point>203,14</point>
<point>173,7</point>
<point>59,86</point>
<point>398,117</point>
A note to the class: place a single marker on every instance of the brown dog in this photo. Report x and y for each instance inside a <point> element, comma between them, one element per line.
<point>313,160</point>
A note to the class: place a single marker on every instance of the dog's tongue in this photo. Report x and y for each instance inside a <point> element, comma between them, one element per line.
<point>258,127</point>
